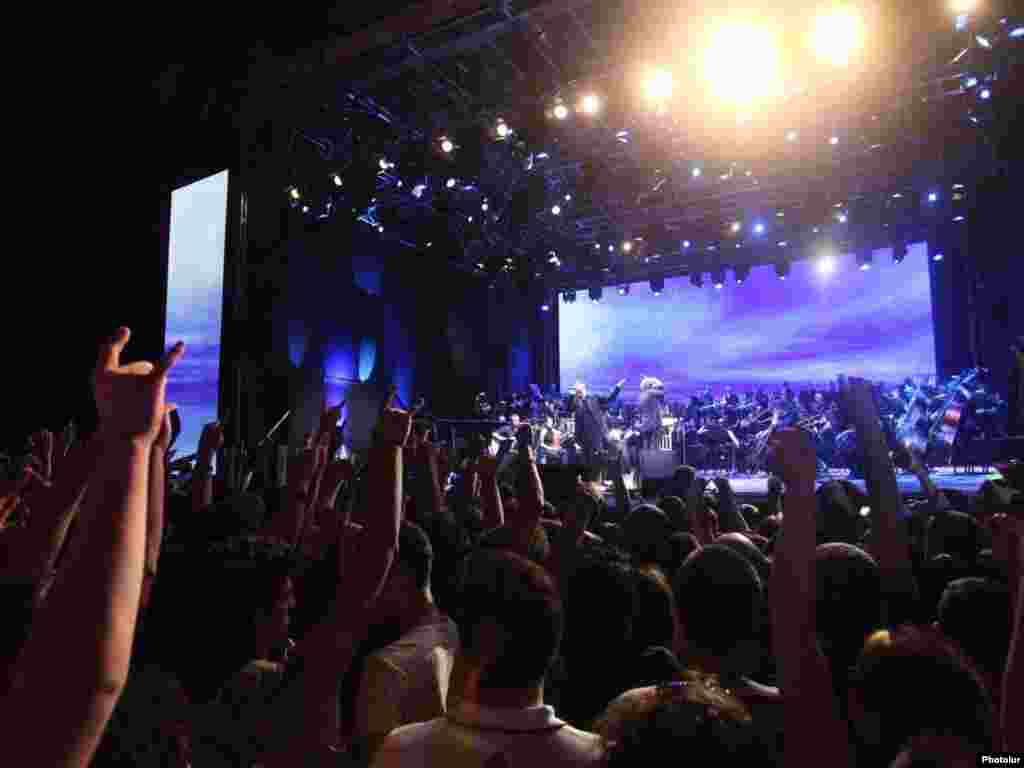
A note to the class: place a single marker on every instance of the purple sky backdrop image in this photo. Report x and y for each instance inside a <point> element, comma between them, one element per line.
<point>805,330</point>
<point>195,291</point>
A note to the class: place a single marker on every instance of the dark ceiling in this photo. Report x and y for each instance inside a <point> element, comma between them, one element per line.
<point>346,87</point>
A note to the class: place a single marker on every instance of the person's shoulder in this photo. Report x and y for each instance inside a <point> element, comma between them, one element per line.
<point>412,736</point>
<point>577,747</point>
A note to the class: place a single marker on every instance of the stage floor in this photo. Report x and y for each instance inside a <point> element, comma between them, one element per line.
<point>945,478</point>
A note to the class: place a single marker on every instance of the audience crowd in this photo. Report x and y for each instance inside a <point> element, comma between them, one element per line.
<point>412,607</point>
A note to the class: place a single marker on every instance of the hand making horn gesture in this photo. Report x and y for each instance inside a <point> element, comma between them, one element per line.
<point>130,398</point>
<point>394,425</point>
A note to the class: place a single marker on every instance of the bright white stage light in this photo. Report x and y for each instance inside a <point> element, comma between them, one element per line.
<point>627,246</point>
<point>833,140</point>
<point>450,183</point>
<point>826,266</point>
<point>938,257</point>
<point>838,34</point>
<point>735,227</point>
<point>658,86</point>
<point>418,190</point>
<point>555,210</point>
<point>590,104</point>
<point>792,136</point>
<point>962,6</point>
<point>294,193</point>
<point>561,112</point>
<point>759,229</point>
<point>502,129</point>
<point>447,145</point>
<point>741,64</point>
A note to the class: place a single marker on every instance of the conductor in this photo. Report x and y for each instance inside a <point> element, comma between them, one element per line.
<point>591,425</point>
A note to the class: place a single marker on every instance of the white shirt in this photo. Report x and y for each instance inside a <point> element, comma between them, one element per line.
<point>407,681</point>
<point>476,737</point>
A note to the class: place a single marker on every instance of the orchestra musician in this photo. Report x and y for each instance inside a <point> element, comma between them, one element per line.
<point>591,424</point>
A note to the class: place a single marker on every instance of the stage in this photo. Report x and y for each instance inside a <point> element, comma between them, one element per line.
<point>753,489</point>
<point>945,479</point>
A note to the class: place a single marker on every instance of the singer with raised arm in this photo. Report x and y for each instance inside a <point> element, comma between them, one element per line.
<point>591,425</point>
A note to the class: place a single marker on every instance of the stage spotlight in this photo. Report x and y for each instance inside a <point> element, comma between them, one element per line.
<point>841,218</point>
<point>450,183</point>
<point>1017,32</point>
<point>568,198</point>
<point>838,34</point>
<point>657,285</point>
<point>597,246</point>
<point>962,6</point>
<point>502,129</point>
<point>686,243</point>
<point>418,190</point>
<point>933,197</point>
<point>697,279</point>
<point>938,257</point>
<point>718,279</point>
<point>833,140</point>
<point>792,136</point>
<point>864,260</point>
<point>742,273</point>
<point>983,41</point>
<point>735,227</point>
<point>545,307</point>
<point>623,290</point>
<point>380,229</point>
<point>336,178</point>
<point>305,209</point>
<point>484,206</point>
<point>561,111</point>
<point>695,172</point>
<point>759,229</point>
<point>782,269</point>
<point>595,294</point>
<point>385,164</point>
<point>658,86</point>
<point>556,210</point>
<point>446,145</point>
<point>985,94</point>
<point>294,194</point>
<point>899,253</point>
<point>590,104</point>
<point>826,265</point>
<point>627,246</point>
<point>741,63</point>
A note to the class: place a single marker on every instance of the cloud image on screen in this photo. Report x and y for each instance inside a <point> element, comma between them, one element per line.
<point>195,293</point>
<point>805,330</point>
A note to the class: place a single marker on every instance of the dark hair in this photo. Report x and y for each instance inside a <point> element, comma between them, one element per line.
<point>742,545</point>
<point>719,597</point>
<point>847,601</point>
<point>679,546</point>
<point>646,529</point>
<point>911,681</point>
<point>205,606</point>
<point>522,601</point>
<point>838,516</point>
<point>675,508</point>
<point>975,614</point>
<point>678,718</point>
<point>956,534</point>
<point>538,547</point>
<point>654,611</point>
<point>415,553</point>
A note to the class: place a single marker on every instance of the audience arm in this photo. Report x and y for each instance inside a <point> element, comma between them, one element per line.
<point>813,723</point>
<point>211,441</point>
<point>493,512</point>
<point>99,590</point>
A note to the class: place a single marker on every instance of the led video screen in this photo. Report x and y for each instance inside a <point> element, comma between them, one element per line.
<point>828,317</point>
<point>195,299</point>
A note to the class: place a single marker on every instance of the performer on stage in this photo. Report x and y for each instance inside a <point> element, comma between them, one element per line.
<point>652,409</point>
<point>591,425</point>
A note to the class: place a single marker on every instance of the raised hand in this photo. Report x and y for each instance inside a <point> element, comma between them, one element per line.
<point>394,425</point>
<point>487,466</point>
<point>163,438</point>
<point>212,439</point>
<point>130,398</point>
<point>791,456</point>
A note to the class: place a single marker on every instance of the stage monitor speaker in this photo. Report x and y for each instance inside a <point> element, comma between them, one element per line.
<point>656,464</point>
